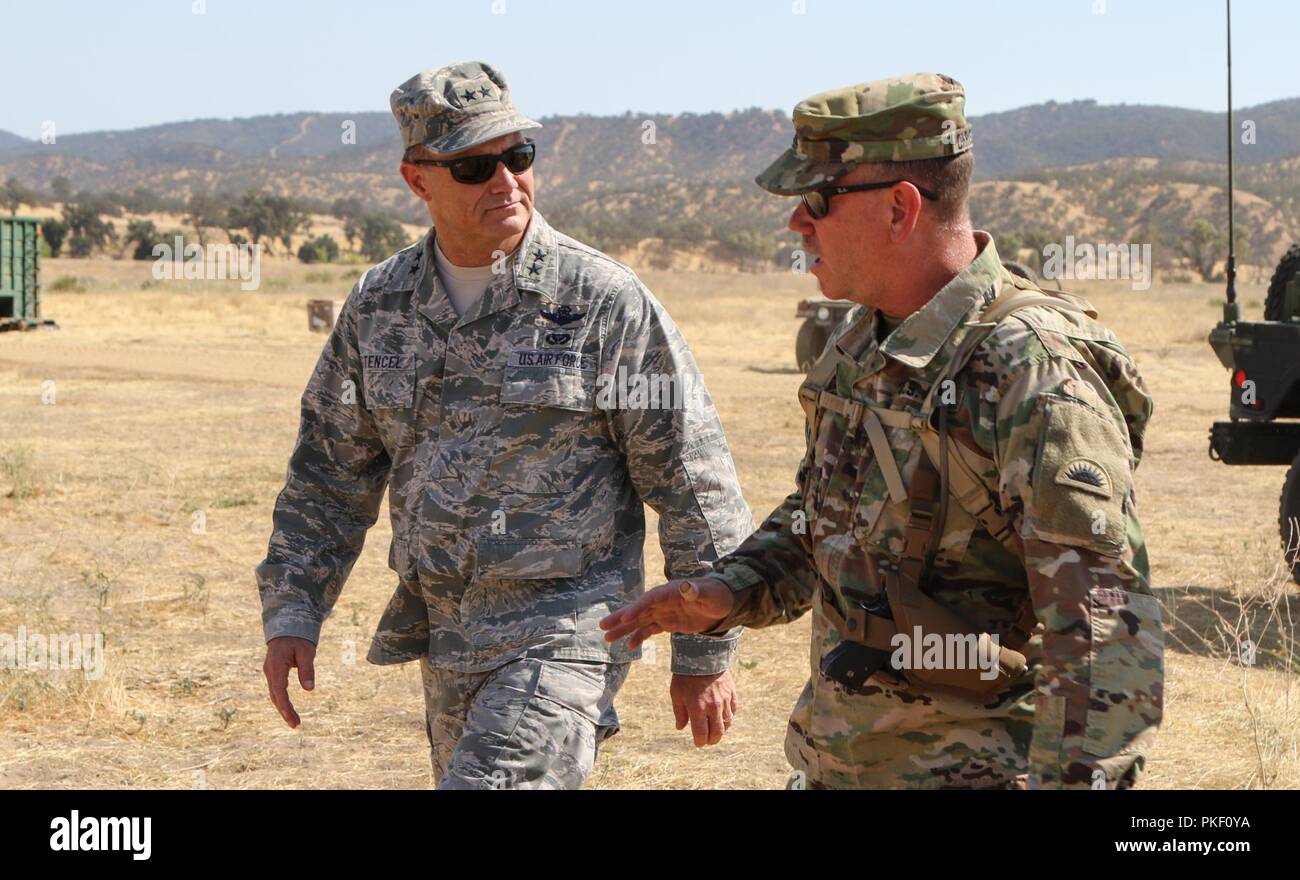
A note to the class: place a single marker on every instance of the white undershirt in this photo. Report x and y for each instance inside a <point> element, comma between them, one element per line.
<point>465,285</point>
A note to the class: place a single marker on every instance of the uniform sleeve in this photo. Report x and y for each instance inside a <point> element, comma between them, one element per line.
<point>771,574</point>
<point>663,420</point>
<point>1066,464</point>
<point>336,480</point>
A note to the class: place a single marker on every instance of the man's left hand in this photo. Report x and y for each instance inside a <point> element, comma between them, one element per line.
<point>708,702</point>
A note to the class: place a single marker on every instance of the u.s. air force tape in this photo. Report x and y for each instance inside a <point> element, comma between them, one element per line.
<point>532,357</point>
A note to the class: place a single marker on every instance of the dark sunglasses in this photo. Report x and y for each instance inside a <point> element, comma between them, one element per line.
<point>818,201</point>
<point>477,169</point>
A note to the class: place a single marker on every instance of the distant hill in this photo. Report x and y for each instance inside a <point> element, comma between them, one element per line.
<point>687,179</point>
<point>1009,143</point>
<point>10,141</point>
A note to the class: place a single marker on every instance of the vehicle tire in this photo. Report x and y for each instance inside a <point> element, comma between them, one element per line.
<point>810,343</point>
<point>1287,267</point>
<point>1290,512</point>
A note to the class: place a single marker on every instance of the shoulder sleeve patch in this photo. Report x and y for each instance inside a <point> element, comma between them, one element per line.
<point>1086,475</point>
<point>1081,479</point>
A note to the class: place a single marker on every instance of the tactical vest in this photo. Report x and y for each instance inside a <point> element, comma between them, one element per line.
<point>946,470</point>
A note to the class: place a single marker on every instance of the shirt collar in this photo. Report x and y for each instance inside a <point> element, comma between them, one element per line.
<point>925,332</point>
<point>534,267</point>
<point>537,264</point>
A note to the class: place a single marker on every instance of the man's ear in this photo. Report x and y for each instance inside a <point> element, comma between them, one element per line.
<point>415,181</point>
<point>905,211</point>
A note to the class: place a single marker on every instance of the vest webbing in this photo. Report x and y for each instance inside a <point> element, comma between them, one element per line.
<point>902,582</point>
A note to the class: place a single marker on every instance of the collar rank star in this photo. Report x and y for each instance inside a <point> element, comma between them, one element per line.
<point>563,315</point>
<point>539,259</point>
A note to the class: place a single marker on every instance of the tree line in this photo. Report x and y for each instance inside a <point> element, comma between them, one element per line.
<point>257,217</point>
<point>273,221</point>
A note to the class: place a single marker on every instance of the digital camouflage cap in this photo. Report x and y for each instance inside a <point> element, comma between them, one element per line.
<point>900,119</point>
<point>456,107</point>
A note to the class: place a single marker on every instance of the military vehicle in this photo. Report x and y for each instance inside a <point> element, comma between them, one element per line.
<point>1263,359</point>
<point>821,316</point>
<point>1264,391</point>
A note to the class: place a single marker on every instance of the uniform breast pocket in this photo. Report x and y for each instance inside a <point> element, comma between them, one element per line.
<point>545,415</point>
<point>560,389</point>
<point>389,389</point>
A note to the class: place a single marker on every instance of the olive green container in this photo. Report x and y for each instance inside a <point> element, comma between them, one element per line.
<point>20,285</point>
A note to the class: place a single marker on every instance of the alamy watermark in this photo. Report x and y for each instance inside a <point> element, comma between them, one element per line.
<point>55,652</point>
<point>78,833</point>
<point>1102,261</point>
<point>621,390</point>
<point>919,650</point>
<point>213,262</point>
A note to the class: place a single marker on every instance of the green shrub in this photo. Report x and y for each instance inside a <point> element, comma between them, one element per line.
<point>321,249</point>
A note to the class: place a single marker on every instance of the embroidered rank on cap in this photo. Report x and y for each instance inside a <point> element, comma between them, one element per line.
<point>1085,474</point>
<point>476,90</point>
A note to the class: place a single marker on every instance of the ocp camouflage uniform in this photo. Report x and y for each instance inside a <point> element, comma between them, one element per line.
<point>515,499</point>
<point>1055,407</point>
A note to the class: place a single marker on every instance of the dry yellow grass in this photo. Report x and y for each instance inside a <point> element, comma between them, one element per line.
<point>171,399</point>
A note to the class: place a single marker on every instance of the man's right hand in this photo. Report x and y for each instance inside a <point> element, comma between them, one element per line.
<point>692,605</point>
<point>281,654</point>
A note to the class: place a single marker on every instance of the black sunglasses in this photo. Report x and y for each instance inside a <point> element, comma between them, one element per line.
<point>818,201</point>
<point>477,169</point>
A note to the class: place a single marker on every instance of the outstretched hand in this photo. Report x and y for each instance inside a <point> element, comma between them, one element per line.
<point>692,605</point>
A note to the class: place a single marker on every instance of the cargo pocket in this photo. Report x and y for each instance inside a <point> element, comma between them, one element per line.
<point>524,590</point>
<point>574,684</point>
<point>1126,670</point>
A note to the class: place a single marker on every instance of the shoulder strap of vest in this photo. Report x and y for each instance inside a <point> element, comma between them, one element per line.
<point>964,465</point>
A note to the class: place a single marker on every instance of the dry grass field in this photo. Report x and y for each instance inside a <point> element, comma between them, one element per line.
<point>172,398</point>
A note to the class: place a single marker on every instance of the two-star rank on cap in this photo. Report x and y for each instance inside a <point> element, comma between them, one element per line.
<point>456,107</point>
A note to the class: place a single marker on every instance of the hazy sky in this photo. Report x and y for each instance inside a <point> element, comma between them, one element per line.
<point>97,64</point>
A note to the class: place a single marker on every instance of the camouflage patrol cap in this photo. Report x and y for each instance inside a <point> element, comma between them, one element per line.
<point>456,107</point>
<point>900,119</point>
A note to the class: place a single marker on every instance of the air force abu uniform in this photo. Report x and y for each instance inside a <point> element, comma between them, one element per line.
<point>515,482</point>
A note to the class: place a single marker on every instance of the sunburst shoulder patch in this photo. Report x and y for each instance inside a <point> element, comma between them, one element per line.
<point>1085,474</point>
